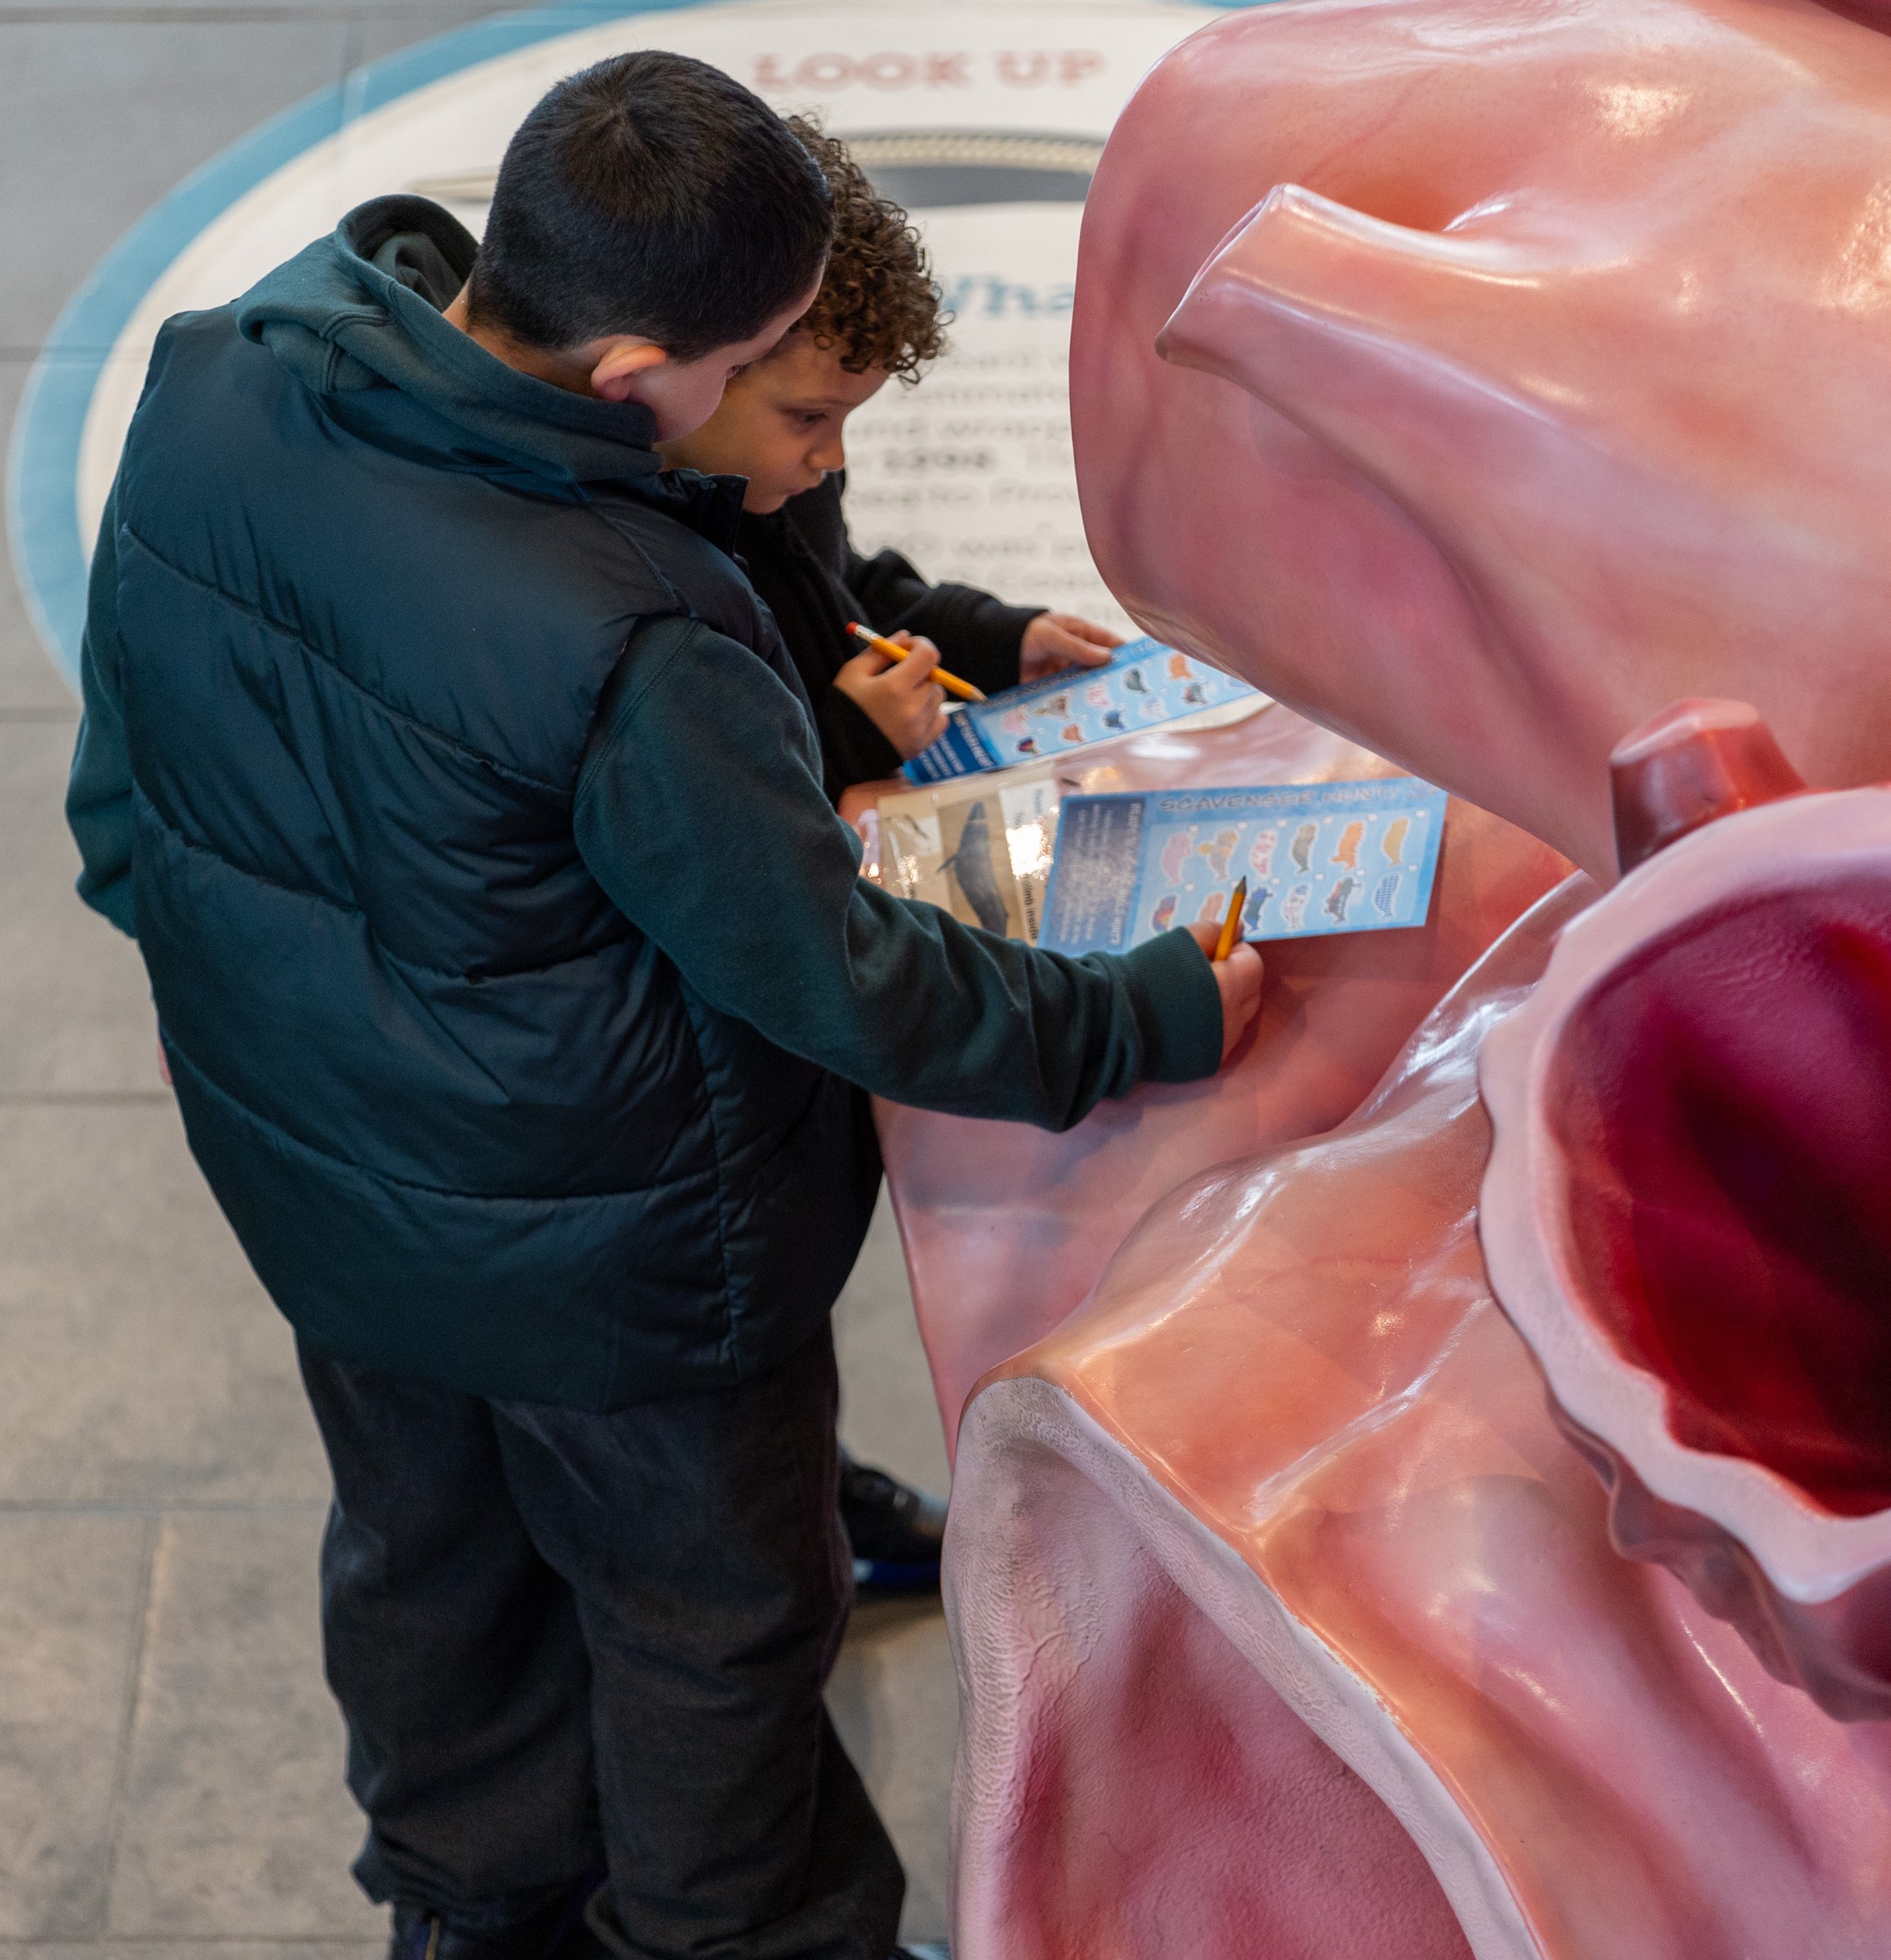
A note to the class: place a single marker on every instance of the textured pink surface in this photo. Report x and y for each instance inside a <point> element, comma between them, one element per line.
<point>1549,377</point>
<point>1725,1094</point>
<point>1129,1782</point>
<point>1523,369</point>
<point>1685,1217</point>
<point>1300,1355</point>
<point>1007,1229</point>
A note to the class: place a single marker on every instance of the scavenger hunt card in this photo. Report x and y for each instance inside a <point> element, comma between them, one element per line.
<point>1322,857</point>
<point>1145,684</point>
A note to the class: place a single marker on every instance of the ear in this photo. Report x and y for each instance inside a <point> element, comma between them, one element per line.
<point>620,365</point>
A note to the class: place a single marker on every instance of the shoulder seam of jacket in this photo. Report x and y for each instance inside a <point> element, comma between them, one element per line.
<point>626,709</point>
<point>628,536</point>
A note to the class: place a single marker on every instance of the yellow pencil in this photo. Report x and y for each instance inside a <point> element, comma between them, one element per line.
<point>1232,923</point>
<point>893,651</point>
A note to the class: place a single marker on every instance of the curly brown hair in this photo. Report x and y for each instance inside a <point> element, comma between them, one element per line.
<point>878,302</point>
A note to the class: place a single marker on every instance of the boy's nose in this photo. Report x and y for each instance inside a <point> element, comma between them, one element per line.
<point>829,455</point>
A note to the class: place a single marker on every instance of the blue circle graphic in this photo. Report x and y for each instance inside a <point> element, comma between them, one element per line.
<point>42,467</point>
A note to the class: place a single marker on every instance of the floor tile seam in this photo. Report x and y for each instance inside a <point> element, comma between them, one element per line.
<point>207,14</point>
<point>27,1100</point>
<point>132,1693</point>
<point>83,1098</point>
<point>354,42</point>
<point>159,1508</point>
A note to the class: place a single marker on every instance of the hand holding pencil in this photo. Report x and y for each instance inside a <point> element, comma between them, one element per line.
<point>1236,967</point>
<point>1231,925</point>
<point>894,650</point>
<point>897,695</point>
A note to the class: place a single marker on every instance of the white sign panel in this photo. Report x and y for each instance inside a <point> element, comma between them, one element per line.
<point>983,117</point>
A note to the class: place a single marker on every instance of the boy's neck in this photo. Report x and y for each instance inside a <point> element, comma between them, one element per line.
<point>571,371</point>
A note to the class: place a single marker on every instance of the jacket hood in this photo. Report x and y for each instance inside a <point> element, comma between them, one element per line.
<point>360,312</point>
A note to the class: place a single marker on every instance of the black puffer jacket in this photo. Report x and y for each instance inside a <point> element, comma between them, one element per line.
<point>513,969</point>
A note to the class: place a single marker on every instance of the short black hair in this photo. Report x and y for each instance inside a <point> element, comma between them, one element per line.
<point>650,195</point>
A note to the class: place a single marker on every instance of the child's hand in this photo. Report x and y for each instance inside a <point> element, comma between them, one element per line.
<point>1238,978</point>
<point>1053,641</point>
<point>899,696</point>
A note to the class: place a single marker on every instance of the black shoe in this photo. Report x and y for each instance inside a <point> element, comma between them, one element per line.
<point>896,1532</point>
<point>557,1931</point>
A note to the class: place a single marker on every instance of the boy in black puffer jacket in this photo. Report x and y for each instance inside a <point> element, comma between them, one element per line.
<point>519,992</point>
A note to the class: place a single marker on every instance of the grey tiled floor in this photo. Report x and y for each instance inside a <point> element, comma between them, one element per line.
<point>170,1761</point>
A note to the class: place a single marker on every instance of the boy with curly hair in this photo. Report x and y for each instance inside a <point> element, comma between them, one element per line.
<point>875,318</point>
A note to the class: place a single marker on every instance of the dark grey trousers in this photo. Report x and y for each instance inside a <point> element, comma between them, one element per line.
<point>567,1642</point>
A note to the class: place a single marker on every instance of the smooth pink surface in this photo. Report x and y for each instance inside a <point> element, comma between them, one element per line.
<point>1548,354</point>
<point>1007,1229</point>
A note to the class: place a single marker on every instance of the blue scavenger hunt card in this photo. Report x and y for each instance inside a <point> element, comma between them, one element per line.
<point>1145,684</point>
<point>1319,858</point>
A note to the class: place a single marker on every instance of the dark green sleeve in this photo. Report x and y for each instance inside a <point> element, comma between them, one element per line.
<point>852,750</point>
<point>700,812</point>
<point>98,795</point>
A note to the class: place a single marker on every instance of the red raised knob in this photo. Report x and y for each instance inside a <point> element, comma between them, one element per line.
<point>1697,760</point>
